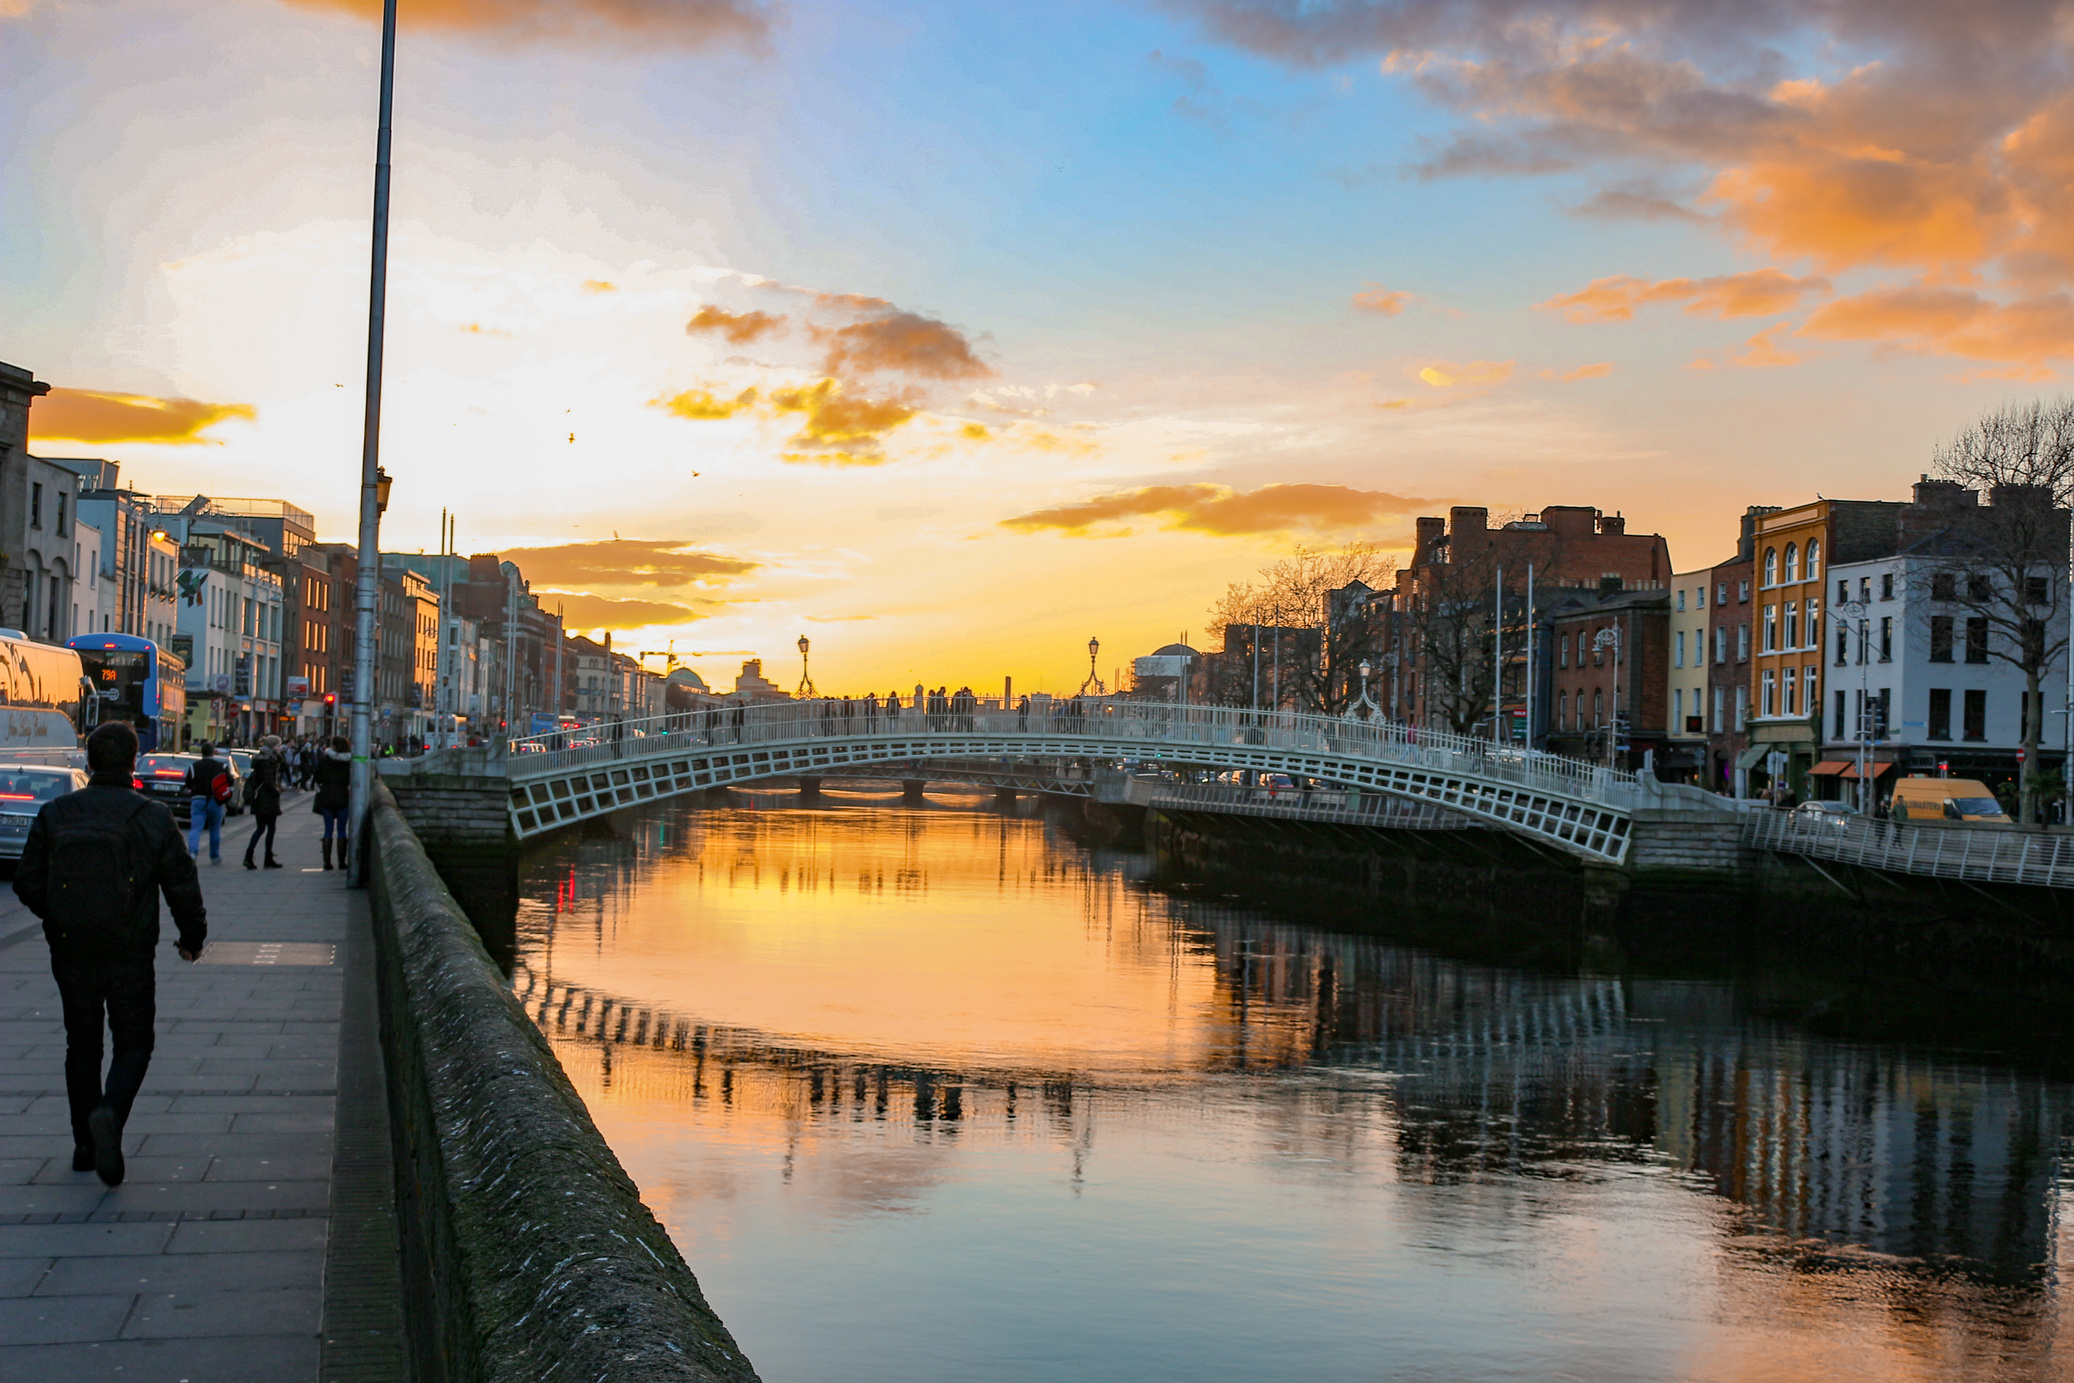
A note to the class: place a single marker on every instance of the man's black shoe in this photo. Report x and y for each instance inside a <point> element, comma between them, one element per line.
<point>107,1144</point>
<point>82,1157</point>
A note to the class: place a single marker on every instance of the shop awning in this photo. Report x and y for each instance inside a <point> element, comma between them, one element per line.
<point>1829,767</point>
<point>1871,770</point>
<point>1753,756</point>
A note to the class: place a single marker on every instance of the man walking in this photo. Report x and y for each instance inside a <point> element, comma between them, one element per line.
<point>92,869</point>
<point>208,790</point>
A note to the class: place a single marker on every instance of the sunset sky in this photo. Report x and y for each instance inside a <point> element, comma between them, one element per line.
<point>949,335</point>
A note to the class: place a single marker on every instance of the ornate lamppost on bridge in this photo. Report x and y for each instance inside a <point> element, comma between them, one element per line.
<point>1367,702</point>
<point>806,682</point>
<point>1094,650</point>
<point>1610,637</point>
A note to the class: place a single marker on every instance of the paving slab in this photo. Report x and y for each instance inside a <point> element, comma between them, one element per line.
<point>209,1262</point>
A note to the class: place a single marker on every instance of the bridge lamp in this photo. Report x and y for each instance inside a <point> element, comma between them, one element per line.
<point>806,682</point>
<point>1094,650</point>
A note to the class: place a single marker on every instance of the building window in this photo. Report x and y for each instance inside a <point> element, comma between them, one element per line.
<point>1771,566</point>
<point>1699,597</point>
<point>1979,588</point>
<point>1886,638</point>
<point>1767,699</point>
<point>1843,644</point>
<point>1742,643</point>
<point>1721,593</point>
<point>35,505</point>
<point>1865,589</point>
<point>1839,700</point>
<point>61,513</point>
<point>1598,707</point>
<point>1743,592</point>
<point>1976,714</point>
<point>1678,653</point>
<point>1943,586</point>
<point>1789,695</point>
<point>1792,562</point>
<point>1811,699</point>
<point>1677,707</point>
<point>1562,710</point>
<point>1886,585</point>
<point>1976,639</point>
<point>2037,590</point>
<point>1771,628</point>
<point>1793,624</point>
<point>1720,643</point>
<point>1940,727</point>
<point>1719,699</point>
<point>1843,590</point>
<point>1563,651</point>
<point>1742,707</point>
<point>1940,638</point>
<point>1814,559</point>
<point>1681,599</point>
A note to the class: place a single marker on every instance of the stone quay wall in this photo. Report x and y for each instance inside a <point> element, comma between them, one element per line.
<point>1673,840</point>
<point>528,1255</point>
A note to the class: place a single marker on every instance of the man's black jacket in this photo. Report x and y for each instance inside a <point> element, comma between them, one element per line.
<point>152,838</point>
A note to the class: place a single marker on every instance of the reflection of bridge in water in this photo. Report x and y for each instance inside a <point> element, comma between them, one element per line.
<point>1396,1063</point>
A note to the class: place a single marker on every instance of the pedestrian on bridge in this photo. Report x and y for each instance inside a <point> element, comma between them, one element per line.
<point>335,795</point>
<point>92,870</point>
<point>1022,714</point>
<point>892,706</point>
<point>871,712</point>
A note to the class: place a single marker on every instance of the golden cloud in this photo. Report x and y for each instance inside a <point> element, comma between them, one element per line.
<point>839,430</point>
<point>599,286</point>
<point>1445,374</point>
<point>1755,293</point>
<point>1598,371</point>
<point>1217,509</point>
<point>87,415</point>
<point>740,328</point>
<point>700,405</point>
<point>687,23</point>
<point>625,562</point>
<point>1763,351</point>
<point>1383,302</point>
<point>581,610</point>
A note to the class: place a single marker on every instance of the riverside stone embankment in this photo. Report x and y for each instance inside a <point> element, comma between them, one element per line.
<point>528,1256</point>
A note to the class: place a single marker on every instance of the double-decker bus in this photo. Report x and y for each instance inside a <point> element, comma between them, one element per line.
<point>133,680</point>
<point>46,703</point>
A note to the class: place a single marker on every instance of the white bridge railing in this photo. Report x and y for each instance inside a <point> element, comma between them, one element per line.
<point>1127,729</point>
<point>1978,854</point>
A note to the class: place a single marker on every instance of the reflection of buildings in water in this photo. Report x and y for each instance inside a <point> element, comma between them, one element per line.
<point>1392,1062</point>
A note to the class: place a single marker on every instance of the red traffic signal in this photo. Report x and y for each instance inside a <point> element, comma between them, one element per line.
<point>331,698</point>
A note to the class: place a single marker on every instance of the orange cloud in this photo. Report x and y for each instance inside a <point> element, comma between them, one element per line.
<point>2032,331</point>
<point>701,406</point>
<point>738,327</point>
<point>86,415</point>
<point>625,562</point>
<point>1383,302</point>
<point>840,430</point>
<point>1598,371</point>
<point>895,341</point>
<point>1219,510</point>
<point>1763,351</point>
<point>1754,293</point>
<point>581,610</point>
<point>686,23</point>
<point>1445,374</point>
<point>599,286</point>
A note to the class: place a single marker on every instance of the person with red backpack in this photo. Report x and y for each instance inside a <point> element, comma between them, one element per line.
<point>92,869</point>
<point>208,788</point>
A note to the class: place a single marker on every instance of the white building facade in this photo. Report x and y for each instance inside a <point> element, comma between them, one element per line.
<point>1685,699</point>
<point>1916,678</point>
<point>230,619</point>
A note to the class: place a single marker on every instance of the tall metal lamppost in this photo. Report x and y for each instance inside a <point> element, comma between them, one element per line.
<point>373,486</point>
<point>806,683</point>
<point>1855,612</point>
<point>1609,637</point>
<point>1367,702</point>
<point>1094,650</point>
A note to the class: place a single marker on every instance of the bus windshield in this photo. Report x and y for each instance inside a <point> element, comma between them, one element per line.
<point>118,676</point>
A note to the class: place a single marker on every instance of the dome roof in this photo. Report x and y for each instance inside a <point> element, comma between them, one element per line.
<point>1176,650</point>
<point>685,677</point>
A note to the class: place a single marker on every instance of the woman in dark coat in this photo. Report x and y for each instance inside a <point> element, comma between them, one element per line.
<point>335,794</point>
<point>263,795</point>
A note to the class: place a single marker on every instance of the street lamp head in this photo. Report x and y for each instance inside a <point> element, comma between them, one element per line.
<point>802,645</point>
<point>381,490</point>
<point>1364,669</point>
<point>1094,648</point>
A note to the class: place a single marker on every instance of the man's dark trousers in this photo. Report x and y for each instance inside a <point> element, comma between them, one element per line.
<point>121,989</point>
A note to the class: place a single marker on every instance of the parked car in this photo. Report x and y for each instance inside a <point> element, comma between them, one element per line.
<point>1814,814</point>
<point>1935,801</point>
<point>163,778</point>
<point>24,788</point>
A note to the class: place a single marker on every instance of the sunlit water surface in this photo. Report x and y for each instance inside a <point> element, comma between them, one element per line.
<point>942,1095</point>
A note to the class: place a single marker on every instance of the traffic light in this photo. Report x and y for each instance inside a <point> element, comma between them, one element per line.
<point>331,698</point>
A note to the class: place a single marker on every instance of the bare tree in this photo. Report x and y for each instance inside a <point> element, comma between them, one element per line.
<point>1318,644</point>
<point>2003,564</point>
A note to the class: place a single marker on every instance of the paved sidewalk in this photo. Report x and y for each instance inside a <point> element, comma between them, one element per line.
<point>208,1263</point>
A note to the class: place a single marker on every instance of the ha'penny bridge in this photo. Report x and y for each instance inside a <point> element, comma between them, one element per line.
<point>1374,773</point>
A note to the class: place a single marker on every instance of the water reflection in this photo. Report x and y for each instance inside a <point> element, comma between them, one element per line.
<point>950,1079</point>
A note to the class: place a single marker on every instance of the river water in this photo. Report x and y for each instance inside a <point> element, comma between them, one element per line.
<point>943,1094</point>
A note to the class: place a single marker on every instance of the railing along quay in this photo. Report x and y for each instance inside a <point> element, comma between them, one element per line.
<point>1347,806</point>
<point>1977,854</point>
